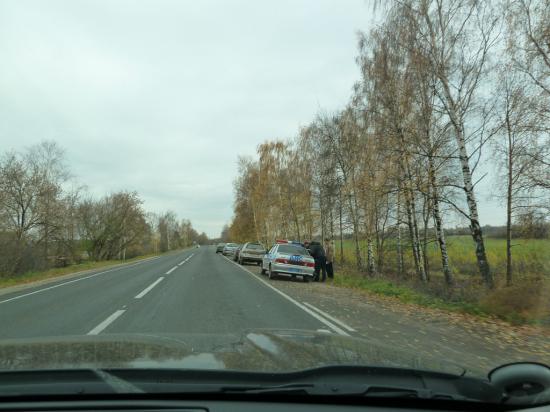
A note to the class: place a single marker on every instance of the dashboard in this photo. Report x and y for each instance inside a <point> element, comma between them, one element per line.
<point>199,405</point>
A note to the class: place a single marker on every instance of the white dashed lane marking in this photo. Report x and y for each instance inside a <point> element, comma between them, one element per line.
<point>99,328</point>
<point>148,288</point>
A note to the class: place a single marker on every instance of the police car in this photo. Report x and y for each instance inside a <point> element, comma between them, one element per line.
<point>288,258</point>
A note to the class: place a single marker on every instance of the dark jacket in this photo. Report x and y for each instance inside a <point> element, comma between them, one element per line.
<point>316,250</point>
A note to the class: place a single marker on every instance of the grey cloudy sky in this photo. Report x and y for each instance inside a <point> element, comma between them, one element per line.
<point>162,96</point>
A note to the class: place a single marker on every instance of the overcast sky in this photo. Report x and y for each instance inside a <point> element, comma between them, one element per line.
<point>161,97</point>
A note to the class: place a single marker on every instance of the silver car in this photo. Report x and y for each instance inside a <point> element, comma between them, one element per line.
<point>290,260</point>
<point>251,252</point>
<point>229,248</point>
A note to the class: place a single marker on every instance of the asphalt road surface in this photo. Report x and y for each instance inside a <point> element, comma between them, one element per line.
<point>200,293</point>
<point>195,291</point>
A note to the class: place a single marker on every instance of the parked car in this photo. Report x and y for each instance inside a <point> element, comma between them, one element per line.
<point>229,248</point>
<point>288,259</point>
<point>219,247</point>
<point>251,252</point>
<point>237,253</point>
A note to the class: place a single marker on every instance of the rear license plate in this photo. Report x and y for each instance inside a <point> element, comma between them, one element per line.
<point>296,260</point>
<point>294,270</point>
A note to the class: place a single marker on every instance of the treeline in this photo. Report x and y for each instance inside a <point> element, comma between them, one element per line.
<point>47,220</point>
<point>447,87</point>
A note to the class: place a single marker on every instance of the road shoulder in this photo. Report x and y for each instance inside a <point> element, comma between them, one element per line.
<point>468,340</point>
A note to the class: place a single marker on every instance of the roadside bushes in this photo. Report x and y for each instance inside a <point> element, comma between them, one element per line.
<point>525,302</point>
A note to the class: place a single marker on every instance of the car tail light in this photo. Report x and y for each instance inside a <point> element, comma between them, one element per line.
<point>310,264</point>
<point>281,260</point>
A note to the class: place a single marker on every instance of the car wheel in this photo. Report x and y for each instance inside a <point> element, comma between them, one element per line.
<point>270,274</point>
<point>241,262</point>
<point>263,270</point>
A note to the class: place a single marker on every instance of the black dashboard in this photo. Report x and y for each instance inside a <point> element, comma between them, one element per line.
<point>210,405</point>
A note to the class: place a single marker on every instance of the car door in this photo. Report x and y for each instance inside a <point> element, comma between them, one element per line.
<point>267,257</point>
<point>243,249</point>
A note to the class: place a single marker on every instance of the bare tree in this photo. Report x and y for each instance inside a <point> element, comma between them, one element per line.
<point>519,123</point>
<point>529,40</point>
<point>456,36</point>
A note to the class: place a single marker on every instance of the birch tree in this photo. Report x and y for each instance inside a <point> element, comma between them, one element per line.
<point>457,36</point>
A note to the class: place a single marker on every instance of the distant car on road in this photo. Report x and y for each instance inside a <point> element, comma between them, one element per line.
<point>251,252</point>
<point>288,259</point>
<point>229,248</point>
<point>219,247</point>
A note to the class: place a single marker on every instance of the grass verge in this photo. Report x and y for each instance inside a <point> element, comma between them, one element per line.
<point>523,304</point>
<point>35,276</point>
<point>405,294</point>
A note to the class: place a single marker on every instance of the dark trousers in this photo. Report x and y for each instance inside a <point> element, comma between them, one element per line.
<point>320,269</point>
<point>330,270</point>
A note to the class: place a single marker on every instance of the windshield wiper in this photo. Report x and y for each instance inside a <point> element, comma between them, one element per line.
<point>117,384</point>
<point>353,381</point>
<point>343,390</point>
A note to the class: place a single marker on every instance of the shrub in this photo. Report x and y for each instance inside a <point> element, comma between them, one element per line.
<point>524,302</point>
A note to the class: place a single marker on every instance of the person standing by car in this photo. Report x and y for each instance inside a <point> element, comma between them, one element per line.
<point>318,253</point>
<point>329,254</point>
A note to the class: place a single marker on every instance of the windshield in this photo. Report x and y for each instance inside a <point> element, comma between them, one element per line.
<point>292,250</point>
<point>394,157</point>
<point>254,246</point>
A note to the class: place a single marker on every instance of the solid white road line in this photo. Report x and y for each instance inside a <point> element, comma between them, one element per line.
<point>326,315</point>
<point>99,328</point>
<point>148,288</point>
<point>75,280</point>
<point>304,308</point>
<point>171,270</point>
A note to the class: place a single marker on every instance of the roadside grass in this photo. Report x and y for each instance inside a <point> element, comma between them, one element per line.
<point>405,293</point>
<point>530,257</point>
<point>525,302</point>
<point>34,276</point>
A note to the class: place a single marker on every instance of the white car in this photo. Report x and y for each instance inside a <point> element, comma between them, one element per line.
<point>251,252</point>
<point>229,248</point>
<point>288,259</point>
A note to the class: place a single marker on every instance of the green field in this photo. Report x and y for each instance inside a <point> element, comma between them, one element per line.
<point>530,257</point>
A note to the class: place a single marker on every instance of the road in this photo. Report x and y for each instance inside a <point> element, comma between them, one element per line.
<point>200,292</point>
<point>195,291</point>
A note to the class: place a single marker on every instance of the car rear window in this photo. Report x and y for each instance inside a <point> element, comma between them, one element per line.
<point>292,250</point>
<point>232,244</point>
<point>254,246</point>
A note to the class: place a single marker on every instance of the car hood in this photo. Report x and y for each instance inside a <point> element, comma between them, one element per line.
<point>254,350</point>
